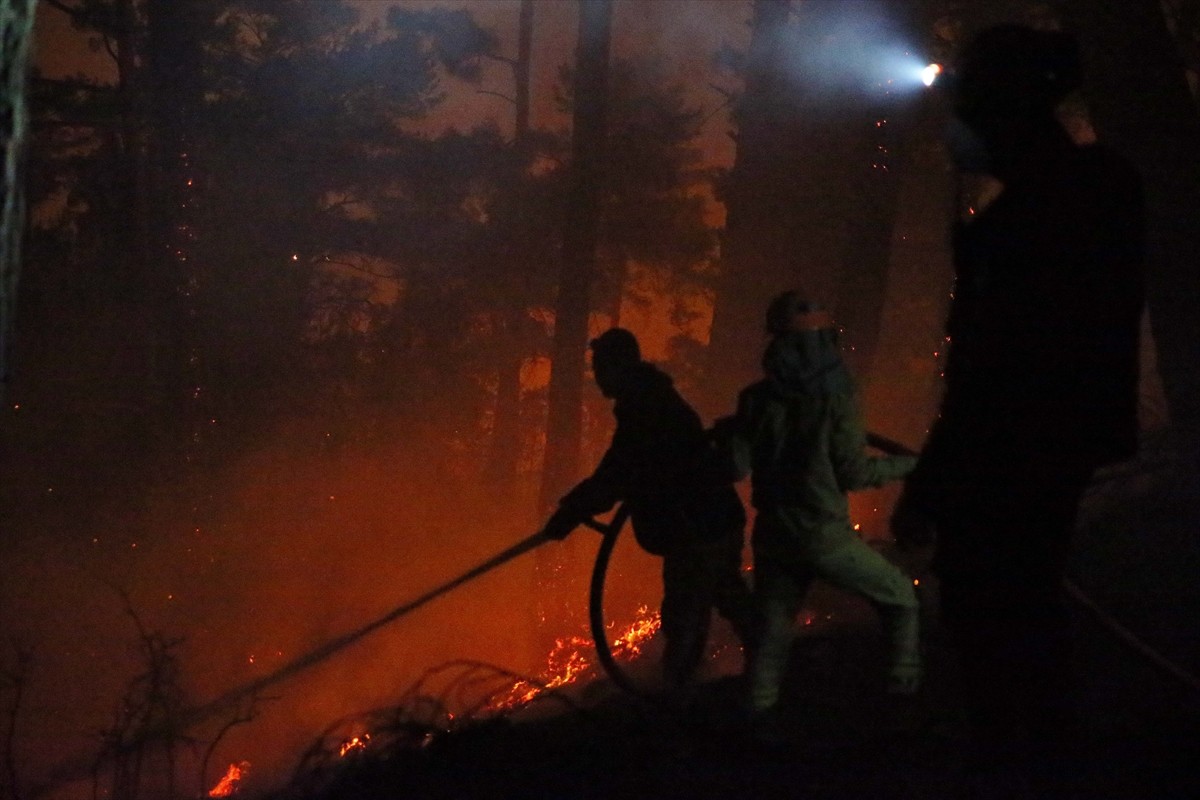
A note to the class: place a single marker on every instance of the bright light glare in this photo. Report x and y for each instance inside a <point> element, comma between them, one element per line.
<point>929,74</point>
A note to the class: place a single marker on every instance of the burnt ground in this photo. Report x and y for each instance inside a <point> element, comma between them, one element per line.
<point>842,737</point>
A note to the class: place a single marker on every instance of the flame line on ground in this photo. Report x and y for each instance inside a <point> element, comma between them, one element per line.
<point>83,768</point>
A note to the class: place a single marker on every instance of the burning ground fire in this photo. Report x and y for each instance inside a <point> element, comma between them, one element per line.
<point>571,659</point>
<point>228,785</point>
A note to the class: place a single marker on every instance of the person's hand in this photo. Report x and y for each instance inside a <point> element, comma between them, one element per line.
<point>911,526</point>
<point>561,523</point>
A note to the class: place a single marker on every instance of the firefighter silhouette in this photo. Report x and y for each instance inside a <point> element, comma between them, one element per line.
<point>660,463</point>
<point>1041,380</point>
<point>799,434</point>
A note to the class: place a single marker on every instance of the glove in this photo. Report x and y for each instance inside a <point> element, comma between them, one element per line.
<point>561,523</point>
<point>732,459</point>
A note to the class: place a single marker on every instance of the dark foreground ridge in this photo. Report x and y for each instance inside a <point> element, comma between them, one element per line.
<point>842,738</point>
<point>841,735</point>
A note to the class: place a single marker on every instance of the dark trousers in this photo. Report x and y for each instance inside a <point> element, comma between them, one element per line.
<point>1001,560</point>
<point>696,580</point>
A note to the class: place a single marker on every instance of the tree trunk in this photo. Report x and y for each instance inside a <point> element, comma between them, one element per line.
<point>16,30</point>
<point>868,241</point>
<point>754,254</point>
<point>521,71</point>
<point>176,280</point>
<point>132,89</point>
<point>564,423</point>
<point>893,127</point>
<point>1142,106</point>
<point>558,586</point>
<point>506,428</point>
<point>506,424</point>
<point>905,387</point>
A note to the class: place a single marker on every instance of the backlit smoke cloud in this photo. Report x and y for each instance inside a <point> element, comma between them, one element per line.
<point>837,48</point>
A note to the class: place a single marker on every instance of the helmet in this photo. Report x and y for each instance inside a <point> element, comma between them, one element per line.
<point>791,312</point>
<point>616,346</point>
<point>1014,70</point>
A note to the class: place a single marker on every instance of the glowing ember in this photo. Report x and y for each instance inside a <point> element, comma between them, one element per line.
<point>228,785</point>
<point>571,658</point>
<point>574,657</point>
<point>629,644</point>
<point>354,743</point>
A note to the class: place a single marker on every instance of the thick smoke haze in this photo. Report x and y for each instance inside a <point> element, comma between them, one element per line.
<point>298,551</point>
<point>261,552</point>
<point>276,551</point>
<point>843,50</point>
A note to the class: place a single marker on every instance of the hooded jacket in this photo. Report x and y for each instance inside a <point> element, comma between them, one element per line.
<point>802,431</point>
<point>660,463</point>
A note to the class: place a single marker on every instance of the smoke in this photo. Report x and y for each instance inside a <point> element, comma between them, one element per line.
<point>840,48</point>
<point>294,551</point>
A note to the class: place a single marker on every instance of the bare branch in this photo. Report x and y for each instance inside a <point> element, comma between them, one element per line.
<point>110,48</point>
<point>72,83</point>
<point>358,268</point>
<point>726,93</point>
<point>496,94</point>
<point>70,11</point>
<point>512,62</point>
<point>16,681</point>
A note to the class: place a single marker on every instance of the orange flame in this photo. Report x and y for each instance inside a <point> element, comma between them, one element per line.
<point>228,785</point>
<point>354,743</point>
<point>629,644</point>
<point>570,660</point>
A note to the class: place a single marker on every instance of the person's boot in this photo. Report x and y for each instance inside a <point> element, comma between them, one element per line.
<point>907,668</point>
<point>766,731</point>
<point>905,674</point>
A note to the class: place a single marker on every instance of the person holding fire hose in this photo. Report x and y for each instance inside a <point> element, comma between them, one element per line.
<point>660,463</point>
<point>799,434</point>
<point>1041,385</point>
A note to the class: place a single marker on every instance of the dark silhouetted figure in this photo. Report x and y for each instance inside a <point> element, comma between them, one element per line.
<point>1041,383</point>
<point>800,435</point>
<point>660,463</point>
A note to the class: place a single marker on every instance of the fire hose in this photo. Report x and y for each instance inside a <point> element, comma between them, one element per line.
<point>609,532</point>
<point>596,602</point>
<point>890,447</point>
<point>253,689</point>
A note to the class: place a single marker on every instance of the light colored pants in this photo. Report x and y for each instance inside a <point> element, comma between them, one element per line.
<point>781,580</point>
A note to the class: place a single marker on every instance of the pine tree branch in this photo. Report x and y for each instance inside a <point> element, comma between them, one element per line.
<point>71,11</point>
<point>496,94</point>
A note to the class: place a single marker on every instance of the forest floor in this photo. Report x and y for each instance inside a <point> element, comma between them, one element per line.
<point>841,736</point>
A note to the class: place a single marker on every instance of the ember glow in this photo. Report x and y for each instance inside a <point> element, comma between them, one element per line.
<point>629,644</point>
<point>572,658</point>
<point>228,785</point>
<point>575,657</point>
<point>354,743</point>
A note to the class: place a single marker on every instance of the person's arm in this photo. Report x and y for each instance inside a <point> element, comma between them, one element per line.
<point>598,492</point>
<point>733,440</point>
<point>593,495</point>
<point>847,451</point>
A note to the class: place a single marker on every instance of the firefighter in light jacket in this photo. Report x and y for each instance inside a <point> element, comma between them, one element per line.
<point>799,433</point>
